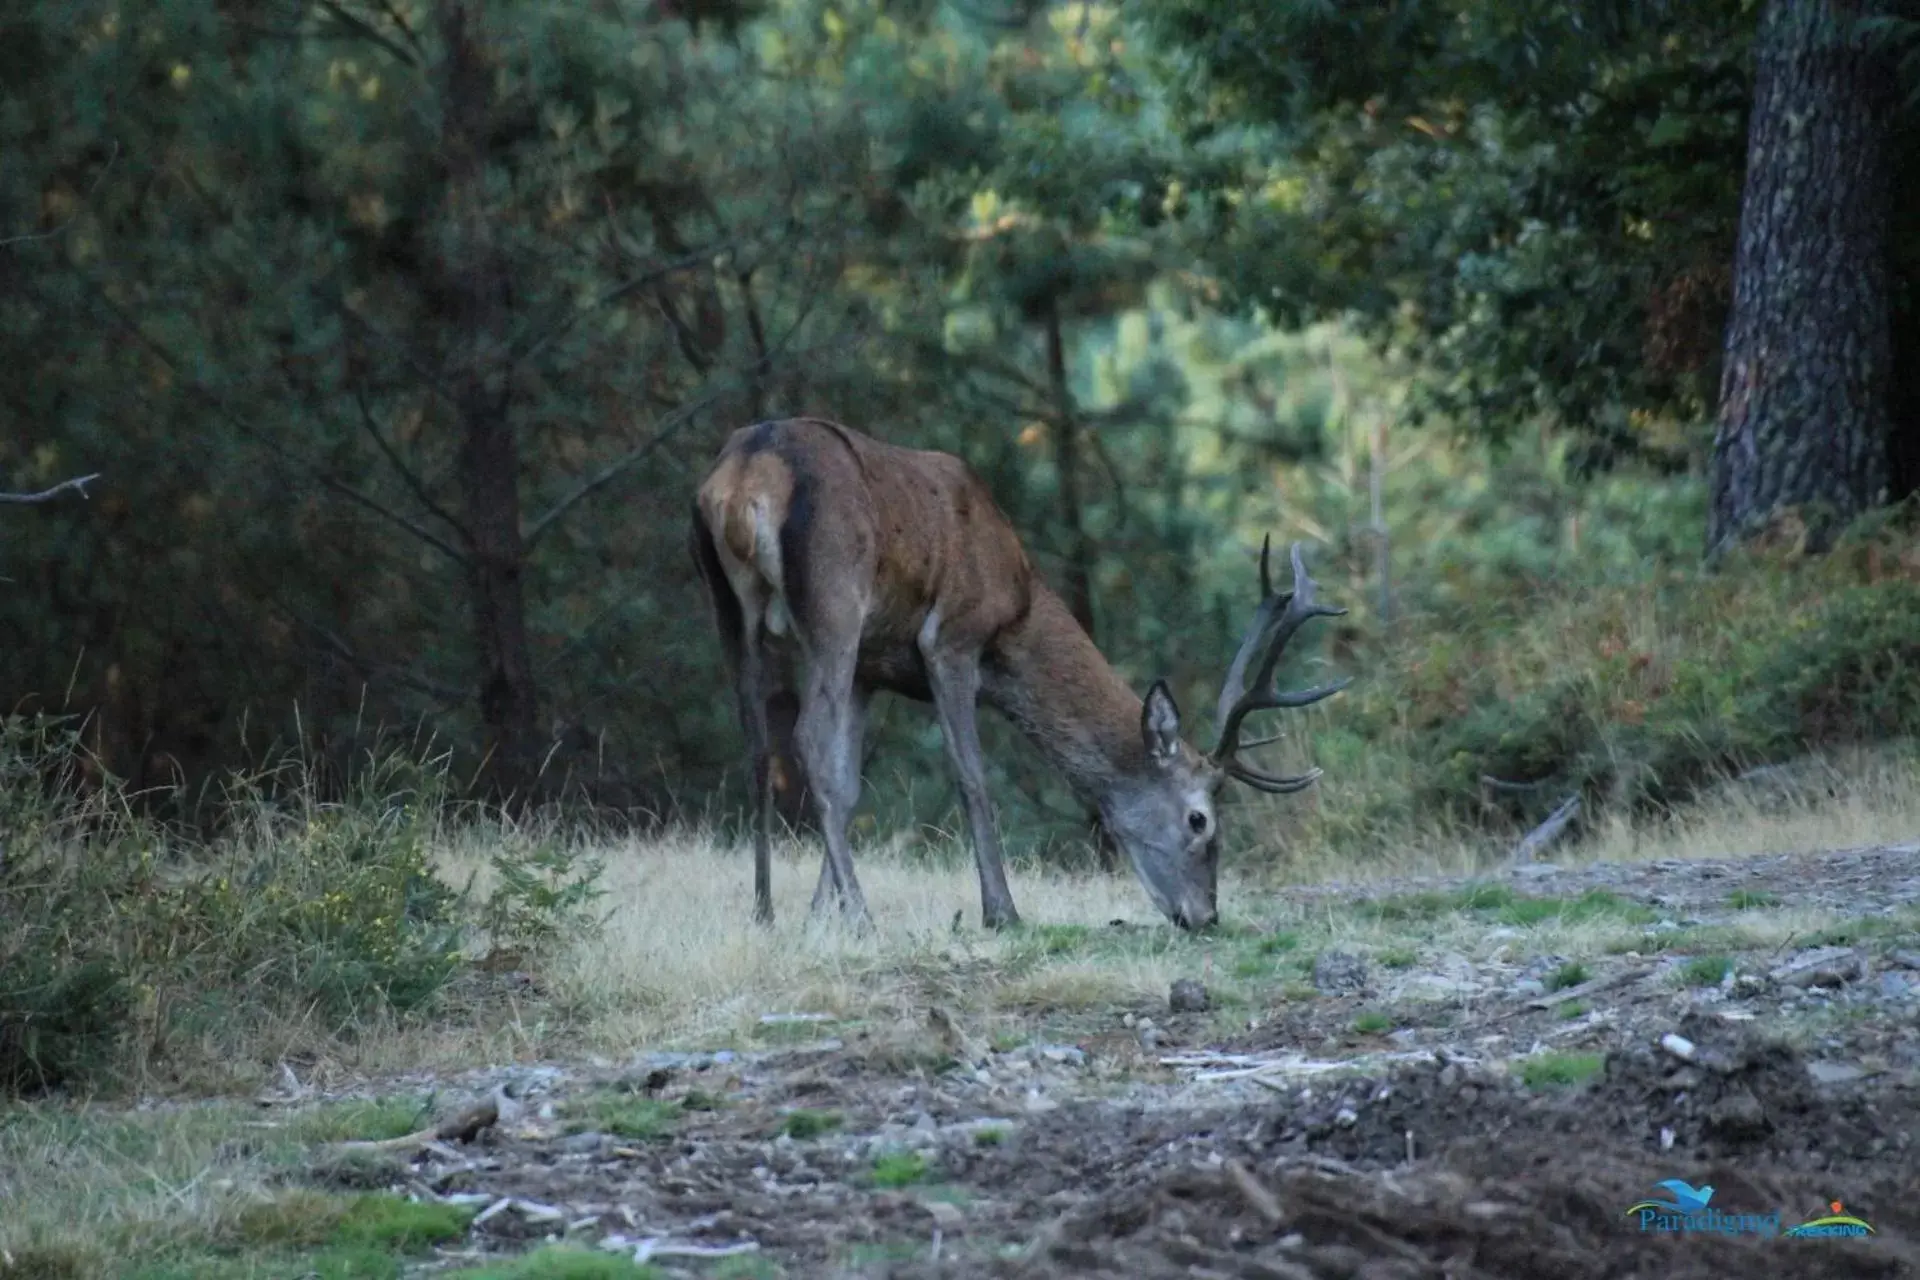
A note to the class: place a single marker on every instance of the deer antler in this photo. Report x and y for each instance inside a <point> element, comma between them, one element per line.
<point>1274,623</point>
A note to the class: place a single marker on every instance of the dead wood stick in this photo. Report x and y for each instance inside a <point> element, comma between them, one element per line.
<point>1262,1201</point>
<point>1547,832</point>
<point>464,1127</point>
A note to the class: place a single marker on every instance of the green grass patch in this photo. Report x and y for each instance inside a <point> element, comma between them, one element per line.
<point>1752,900</point>
<point>560,1262</point>
<point>989,1137</point>
<point>308,1219</point>
<point>1560,1070</point>
<point>898,1169</point>
<point>1432,904</point>
<point>328,1264</point>
<point>803,1125</point>
<point>1373,1023</point>
<point>1278,943</point>
<point>1571,974</point>
<point>1594,904</point>
<point>1573,1010</point>
<point>359,1120</point>
<point>1499,903</point>
<point>701,1100</point>
<point>622,1115</point>
<point>1398,958</point>
<point>1706,971</point>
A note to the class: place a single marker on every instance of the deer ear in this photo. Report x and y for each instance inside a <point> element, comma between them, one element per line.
<point>1160,724</point>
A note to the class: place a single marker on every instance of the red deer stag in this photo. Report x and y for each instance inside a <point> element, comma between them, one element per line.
<point>855,565</point>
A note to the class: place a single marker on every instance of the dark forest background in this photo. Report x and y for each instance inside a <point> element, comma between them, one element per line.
<point>1580,342</point>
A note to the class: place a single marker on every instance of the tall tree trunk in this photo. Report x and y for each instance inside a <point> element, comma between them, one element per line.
<point>1804,388</point>
<point>1079,593</point>
<point>474,279</point>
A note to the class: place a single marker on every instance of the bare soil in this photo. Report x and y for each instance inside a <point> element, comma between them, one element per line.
<point>1431,1155</point>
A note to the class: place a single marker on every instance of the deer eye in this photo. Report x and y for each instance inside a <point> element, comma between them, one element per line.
<point>1197,821</point>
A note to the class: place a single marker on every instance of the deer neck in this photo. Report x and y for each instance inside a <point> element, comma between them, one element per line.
<point>1045,674</point>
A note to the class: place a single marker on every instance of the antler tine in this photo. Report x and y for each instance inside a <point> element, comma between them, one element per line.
<point>1270,634</point>
<point>1233,689</point>
<point>1272,783</point>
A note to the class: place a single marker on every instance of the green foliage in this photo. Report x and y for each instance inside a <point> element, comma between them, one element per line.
<point>1560,1070</point>
<point>1537,199</point>
<point>1705,971</point>
<point>311,1218</point>
<point>559,1262</point>
<point>623,1116</point>
<point>126,945</point>
<point>892,1169</point>
<point>1373,1023</point>
<point>1571,974</point>
<point>802,1125</point>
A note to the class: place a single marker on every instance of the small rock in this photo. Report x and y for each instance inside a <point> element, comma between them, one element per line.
<point>1188,996</point>
<point>1820,967</point>
<point>1738,1115</point>
<point>1835,1072</point>
<point>583,1143</point>
<point>1529,987</point>
<point>1339,973</point>
<point>1346,1117</point>
<point>1906,959</point>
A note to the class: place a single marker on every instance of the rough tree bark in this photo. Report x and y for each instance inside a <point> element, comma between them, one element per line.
<point>1079,592</point>
<point>474,280</point>
<point>1805,385</point>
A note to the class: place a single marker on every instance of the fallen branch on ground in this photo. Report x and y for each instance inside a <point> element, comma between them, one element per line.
<point>464,1127</point>
<point>1547,832</point>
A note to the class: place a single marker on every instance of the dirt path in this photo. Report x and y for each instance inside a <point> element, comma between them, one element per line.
<point>1486,1124</point>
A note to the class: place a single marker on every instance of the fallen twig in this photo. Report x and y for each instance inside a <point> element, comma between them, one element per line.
<point>661,1247</point>
<point>464,1127</point>
<point>1547,832</point>
<point>1262,1201</point>
<point>1554,999</point>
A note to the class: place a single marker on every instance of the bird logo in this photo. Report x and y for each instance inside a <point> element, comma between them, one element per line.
<point>1686,1200</point>
<point>1686,1197</point>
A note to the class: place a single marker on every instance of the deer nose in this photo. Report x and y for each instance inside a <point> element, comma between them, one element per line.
<point>1196,917</point>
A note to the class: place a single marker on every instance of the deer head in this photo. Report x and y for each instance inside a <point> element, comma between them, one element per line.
<point>1162,815</point>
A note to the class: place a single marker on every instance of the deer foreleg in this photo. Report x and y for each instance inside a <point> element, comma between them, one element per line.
<point>955,683</point>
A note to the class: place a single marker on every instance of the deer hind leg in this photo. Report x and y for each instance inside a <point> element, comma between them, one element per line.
<point>753,719</point>
<point>954,679</point>
<point>828,734</point>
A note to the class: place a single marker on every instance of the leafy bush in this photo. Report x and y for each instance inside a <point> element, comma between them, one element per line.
<point>1634,693</point>
<point>124,945</point>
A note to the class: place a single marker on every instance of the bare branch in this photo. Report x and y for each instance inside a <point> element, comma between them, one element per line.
<point>668,427</point>
<point>68,220</point>
<point>359,27</point>
<point>1547,832</point>
<point>533,345</point>
<point>419,531</point>
<point>407,474</point>
<point>78,484</point>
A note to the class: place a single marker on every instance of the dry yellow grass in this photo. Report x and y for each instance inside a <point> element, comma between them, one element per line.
<point>680,961</point>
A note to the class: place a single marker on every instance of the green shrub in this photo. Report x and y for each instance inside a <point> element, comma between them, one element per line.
<point>123,943</point>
